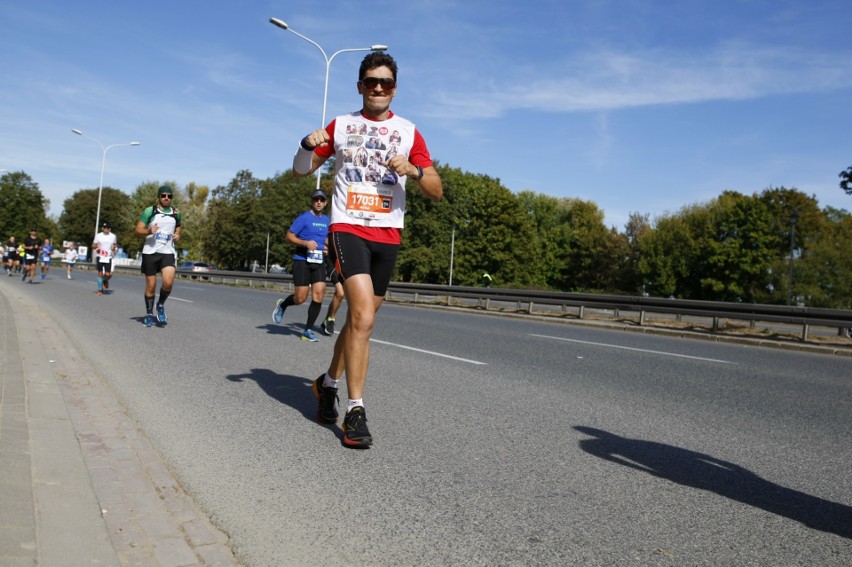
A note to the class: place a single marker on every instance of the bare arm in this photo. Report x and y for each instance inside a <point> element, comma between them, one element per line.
<point>296,241</point>
<point>142,229</point>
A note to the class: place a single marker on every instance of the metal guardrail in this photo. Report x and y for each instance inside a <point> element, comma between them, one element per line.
<point>574,304</point>
<point>527,300</point>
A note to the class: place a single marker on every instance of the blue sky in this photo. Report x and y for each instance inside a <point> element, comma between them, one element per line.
<point>639,106</point>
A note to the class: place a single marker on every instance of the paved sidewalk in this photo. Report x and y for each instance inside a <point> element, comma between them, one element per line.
<point>80,484</point>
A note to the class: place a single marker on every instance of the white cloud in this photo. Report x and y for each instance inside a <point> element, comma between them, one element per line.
<point>610,80</point>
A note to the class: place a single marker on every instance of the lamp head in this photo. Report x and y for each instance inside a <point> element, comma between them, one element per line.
<point>378,47</point>
<point>135,143</point>
<point>78,132</point>
<point>280,23</point>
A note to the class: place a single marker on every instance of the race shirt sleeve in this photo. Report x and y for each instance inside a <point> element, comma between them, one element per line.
<point>327,151</point>
<point>146,215</point>
<point>419,154</point>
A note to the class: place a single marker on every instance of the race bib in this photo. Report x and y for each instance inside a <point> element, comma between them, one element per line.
<point>315,256</point>
<point>368,202</point>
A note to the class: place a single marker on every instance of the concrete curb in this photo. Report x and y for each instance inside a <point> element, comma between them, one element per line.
<point>79,481</point>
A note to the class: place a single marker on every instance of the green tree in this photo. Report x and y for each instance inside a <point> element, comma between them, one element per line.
<point>282,198</point>
<point>595,254</point>
<point>824,276</point>
<point>736,249</point>
<point>232,237</point>
<point>551,233</point>
<point>784,205</point>
<point>427,239</point>
<point>665,256</point>
<point>77,220</point>
<point>636,230</point>
<point>491,233</point>
<point>23,207</point>
<point>193,208</point>
<point>846,180</point>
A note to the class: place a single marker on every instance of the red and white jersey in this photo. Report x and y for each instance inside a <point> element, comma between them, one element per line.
<point>104,245</point>
<point>366,193</point>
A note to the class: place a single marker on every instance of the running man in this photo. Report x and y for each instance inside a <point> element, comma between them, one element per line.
<point>31,245</point>
<point>44,257</point>
<point>159,225</point>
<point>13,259</point>
<point>104,248</point>
<point>367,216</point>
<point>309,233</point>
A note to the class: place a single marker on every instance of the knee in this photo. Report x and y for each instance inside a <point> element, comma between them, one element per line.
<point>361,322</point>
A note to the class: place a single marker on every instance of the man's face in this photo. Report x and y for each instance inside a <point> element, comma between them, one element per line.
<point>318,204</point>
<point>377,88</point>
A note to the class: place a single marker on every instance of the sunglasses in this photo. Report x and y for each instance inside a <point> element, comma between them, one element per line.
<point>373,82</point>
<point>166,195</point>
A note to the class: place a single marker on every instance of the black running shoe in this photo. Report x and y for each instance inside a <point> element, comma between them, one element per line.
<point>355,432</point>
<point>327,411</point>
<point>328,326</point>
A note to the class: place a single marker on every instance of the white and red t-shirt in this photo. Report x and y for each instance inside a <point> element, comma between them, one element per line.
<point>104,246</point>
<point>369,199</point>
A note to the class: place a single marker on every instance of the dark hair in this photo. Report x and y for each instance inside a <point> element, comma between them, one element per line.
<point>376,59</point>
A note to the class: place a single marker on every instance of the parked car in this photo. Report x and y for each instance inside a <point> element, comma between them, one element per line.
<point>277,269</point>
<point>197,266</point>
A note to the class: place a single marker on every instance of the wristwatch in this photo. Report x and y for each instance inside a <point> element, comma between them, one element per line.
<point>419,173</point>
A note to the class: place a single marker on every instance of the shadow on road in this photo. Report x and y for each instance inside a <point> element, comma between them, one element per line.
<point>285,329</point>
<point>294,391</point>
<point>726,479</point>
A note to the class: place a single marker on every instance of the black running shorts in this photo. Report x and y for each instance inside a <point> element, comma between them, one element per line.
<point>152,264</point>
<point>356,255</point>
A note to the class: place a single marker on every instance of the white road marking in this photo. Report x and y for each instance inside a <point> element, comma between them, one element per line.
<point>636,349</point>
<point>429,352</point>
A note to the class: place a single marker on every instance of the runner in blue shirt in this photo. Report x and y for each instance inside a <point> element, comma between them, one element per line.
<point>44,257</point>
<point>308,233</point>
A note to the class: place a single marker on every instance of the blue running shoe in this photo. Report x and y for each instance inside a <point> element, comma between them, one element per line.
<point>149,320</point>
<point>161,314</point>
<point>309,336</point>
<point>278,313</point>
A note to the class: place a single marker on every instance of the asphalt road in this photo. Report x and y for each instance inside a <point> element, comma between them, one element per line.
<point>497,441</point>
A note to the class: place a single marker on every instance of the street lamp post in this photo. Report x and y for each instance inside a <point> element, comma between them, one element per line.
<point>283,25</point>
<point>104,150</point>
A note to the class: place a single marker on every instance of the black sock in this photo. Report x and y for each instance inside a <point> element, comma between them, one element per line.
<point>313,312</point>
<point>149,304</point>
<point>289,301</point>
<point>164,295</point>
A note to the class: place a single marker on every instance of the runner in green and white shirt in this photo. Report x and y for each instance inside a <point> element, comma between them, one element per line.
<point>160,226</point>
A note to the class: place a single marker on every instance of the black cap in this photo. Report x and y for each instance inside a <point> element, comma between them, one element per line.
<point>32,229</point>
<point>106,224</point>
<point>319,193</point>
